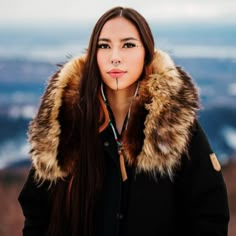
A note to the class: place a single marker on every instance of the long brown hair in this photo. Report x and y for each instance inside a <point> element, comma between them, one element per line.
<point>80,194</point>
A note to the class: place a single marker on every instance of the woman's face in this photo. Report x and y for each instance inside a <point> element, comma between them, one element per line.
<point>120,54</point>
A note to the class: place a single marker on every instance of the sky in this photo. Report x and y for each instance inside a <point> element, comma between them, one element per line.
<point>51,11</point>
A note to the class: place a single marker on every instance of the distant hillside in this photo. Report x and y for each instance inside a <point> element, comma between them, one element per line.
<point>215,70</point>
<point>21,71</point>
<point>220,126</point>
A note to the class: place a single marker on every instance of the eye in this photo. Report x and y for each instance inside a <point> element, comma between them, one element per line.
<point>103,46</point>
<point>129,45</point>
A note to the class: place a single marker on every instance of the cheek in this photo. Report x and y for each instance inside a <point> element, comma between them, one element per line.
<point>137,63</point>
<point>101,60</point>
<point>137,58</point>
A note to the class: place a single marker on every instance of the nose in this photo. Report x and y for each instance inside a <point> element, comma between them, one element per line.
<point>115,56</point>
<point>115,63</point>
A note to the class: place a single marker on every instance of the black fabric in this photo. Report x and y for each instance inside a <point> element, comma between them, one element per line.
<point>193,203</point>
<point>125,201</point>
<point>125,185</point>
<point>34,200</point>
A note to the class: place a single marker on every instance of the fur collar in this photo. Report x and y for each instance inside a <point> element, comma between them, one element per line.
<point>161,119</point>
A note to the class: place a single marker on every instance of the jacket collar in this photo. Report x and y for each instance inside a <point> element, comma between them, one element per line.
<point>159,128</point>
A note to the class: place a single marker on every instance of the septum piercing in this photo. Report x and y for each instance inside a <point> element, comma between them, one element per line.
<point>115,63</point>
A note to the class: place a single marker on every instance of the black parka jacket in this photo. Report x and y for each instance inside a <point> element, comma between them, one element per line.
<point>175,185</point>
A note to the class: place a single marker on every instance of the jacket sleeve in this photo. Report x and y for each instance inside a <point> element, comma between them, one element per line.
<point>208,211</point>
<point>34,201</point>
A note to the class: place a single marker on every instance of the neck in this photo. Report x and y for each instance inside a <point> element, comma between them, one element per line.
<point>119,102</point>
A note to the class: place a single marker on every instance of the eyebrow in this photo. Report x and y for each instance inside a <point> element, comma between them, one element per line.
<point>122,40</point>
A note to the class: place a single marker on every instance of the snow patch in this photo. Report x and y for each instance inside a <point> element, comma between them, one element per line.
<point>229,134</point>
<point>12,151</point>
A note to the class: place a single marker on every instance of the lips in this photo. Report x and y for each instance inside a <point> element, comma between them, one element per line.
<point>116,73</point>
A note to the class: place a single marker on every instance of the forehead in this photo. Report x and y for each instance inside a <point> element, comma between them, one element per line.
<point>119,28</point>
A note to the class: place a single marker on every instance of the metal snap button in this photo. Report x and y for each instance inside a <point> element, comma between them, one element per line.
<point>106,144</point>
<point>119,216</point>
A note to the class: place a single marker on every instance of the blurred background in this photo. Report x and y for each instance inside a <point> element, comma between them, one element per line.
<point>35,36</point>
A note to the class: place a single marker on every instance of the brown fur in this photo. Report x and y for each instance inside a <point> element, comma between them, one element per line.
<point>159,128</point>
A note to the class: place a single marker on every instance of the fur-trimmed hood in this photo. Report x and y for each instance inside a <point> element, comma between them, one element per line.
<point>161,119</point>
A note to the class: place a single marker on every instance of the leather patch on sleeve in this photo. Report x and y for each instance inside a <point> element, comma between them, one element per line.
<point>214,161</point>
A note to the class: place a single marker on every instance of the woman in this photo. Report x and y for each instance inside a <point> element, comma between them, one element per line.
<point>116,146</point>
